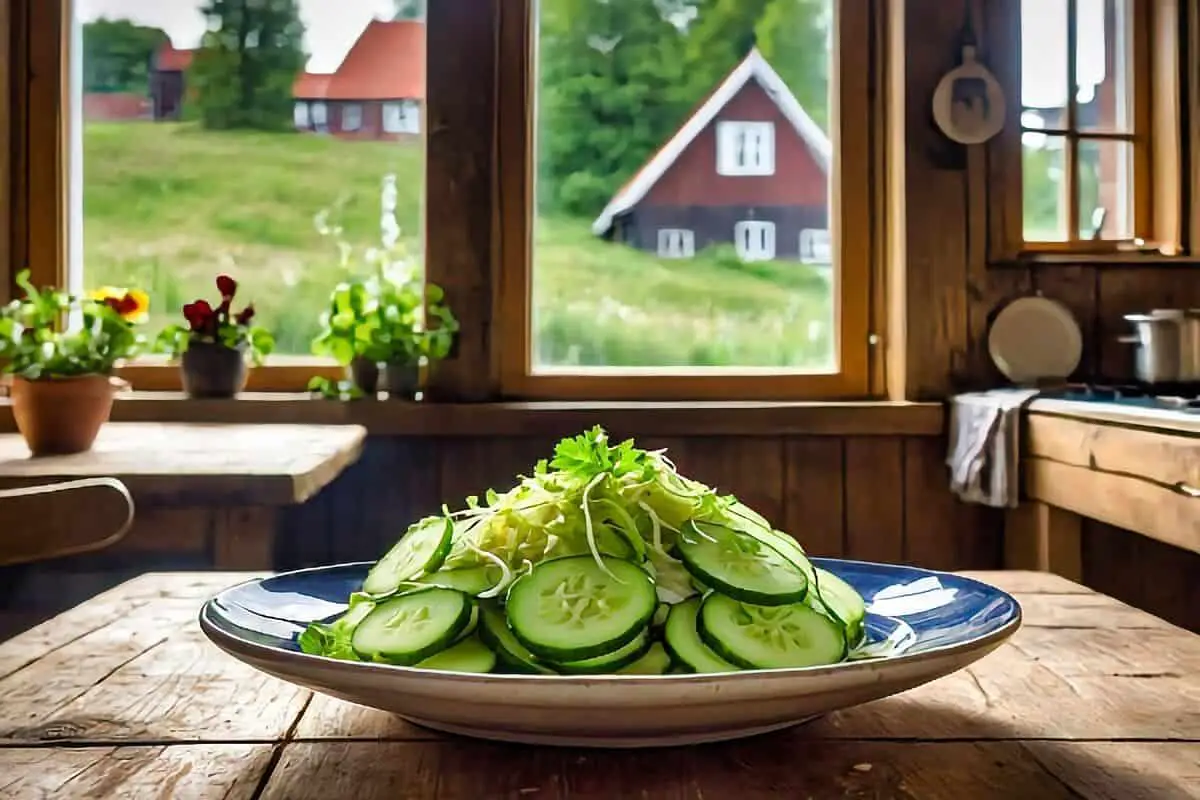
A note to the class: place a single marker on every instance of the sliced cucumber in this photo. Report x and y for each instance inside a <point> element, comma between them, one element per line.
<point>420,551</point>
<point>841,600</point>
<point>570,609</point>
<point>469,655</point>
<point>739,565</point>
<point>470,580</point>
<point>656,661</point>
<point>769,637</point>
<point>660,615</point>
<point>494,631</point>
<point>684,643</point>
<point>412,627</point>
<point>609,662</point>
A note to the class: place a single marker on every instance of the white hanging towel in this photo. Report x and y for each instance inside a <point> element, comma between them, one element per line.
<point>985,438</point>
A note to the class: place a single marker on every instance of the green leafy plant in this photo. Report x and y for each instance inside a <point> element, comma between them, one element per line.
<point>100,330</point>
<point>219,326</point>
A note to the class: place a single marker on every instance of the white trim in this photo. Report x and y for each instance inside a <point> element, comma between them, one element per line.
<point>300,115</point>
<point>760,161</point>
<point>676,243</point>
<point>751,250</point>
<point>754,66</point>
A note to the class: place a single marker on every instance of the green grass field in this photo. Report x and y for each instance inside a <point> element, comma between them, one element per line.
<point>168,206</point>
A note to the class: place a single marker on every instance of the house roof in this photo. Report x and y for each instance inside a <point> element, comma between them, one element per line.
<point>386,63</point>
<point>171,60</point>
<point>311,86</point>
<point>755,67</point>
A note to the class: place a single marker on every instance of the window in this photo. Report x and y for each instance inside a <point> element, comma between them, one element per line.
<point>352,114</point>
<point>815,247</point>
<point>1085,124</point>
<point>745,148</point>
<point>402,117</point>
<point>754,240</point>
<point>594,303</point>
<point>166,205</point>
<point>676,243</point>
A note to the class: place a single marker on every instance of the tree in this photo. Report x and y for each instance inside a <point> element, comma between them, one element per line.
<point>610,77</point>
<point>117,55</point>
<point>243,73</point>
<point>410,9</point>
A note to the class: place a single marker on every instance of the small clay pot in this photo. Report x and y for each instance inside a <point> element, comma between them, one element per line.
<point>402,380</point>
<point>59,416</point>
<point>213,370</point>
<point>365,375</point>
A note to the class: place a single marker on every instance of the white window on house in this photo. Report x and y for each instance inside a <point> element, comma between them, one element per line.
<point>754,240</point>
<point>815,247</point>
<point>745,148</point>
<point>351,116</point>
<point>676,243</point>
<point>300,115</point>
<point>319,114</point>
<point>402,117</point>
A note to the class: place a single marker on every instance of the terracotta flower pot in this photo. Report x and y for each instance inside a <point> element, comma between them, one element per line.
<point>59,416</point>
<point>213,371</point>
<point>402,380</point>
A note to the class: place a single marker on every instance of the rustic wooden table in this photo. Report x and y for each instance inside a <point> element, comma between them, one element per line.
<point>122,697</point>
<point>201,487</point>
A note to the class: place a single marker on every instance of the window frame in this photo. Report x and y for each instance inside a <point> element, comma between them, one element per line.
<point>301,117</point>
<point>687,243</point>
<point>1157,118</point>
<point>852,197</point>
<point>728,130</point>
<point>746,227</point>
<point>403,109</point>
<point>345,126</point>
<point>323,121</point>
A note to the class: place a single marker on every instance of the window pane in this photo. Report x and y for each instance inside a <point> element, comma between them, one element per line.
<point>191,168</point>
<point>1105,189</point>
<point>661,116</point>
<point>1045,196</point>
<point>1105,53</point>
<point>1044,64</point>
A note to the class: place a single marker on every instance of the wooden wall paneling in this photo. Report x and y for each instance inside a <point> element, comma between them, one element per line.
<point>1151,575</point>
<point>875,498</point>
<point>940,531</point>
<point>244,538</point>
<point>1132,290</point>
<point>749,467</point>
<point>471,466</point>
<point>1076,288</point>
<point>936,198</point>
<point>404,480</point>
<point>814,494</point>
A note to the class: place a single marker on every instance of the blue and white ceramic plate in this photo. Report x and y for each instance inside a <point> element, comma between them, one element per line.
<point>921,625</point>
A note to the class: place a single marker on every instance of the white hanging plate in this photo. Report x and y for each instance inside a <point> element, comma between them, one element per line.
<point>1035,339</point>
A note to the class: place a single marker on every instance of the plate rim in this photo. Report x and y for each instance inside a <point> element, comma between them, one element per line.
<point>233,644</point>
<point>1071,324</point>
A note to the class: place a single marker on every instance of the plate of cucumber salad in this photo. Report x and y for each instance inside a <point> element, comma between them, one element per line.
<point>608,600</point>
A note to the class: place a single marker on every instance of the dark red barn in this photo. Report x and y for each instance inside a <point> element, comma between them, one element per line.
<point>748,168</point>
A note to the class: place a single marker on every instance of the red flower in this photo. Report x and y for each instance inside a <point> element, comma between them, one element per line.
<point>227,286</point>
<point>122,305</point>
<point>198,314</point>
<point>245,315</point>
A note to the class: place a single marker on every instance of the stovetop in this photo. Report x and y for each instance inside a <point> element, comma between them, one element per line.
<point>1181,397</point>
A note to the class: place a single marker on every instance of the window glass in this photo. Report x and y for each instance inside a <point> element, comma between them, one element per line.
<point>676,243</point>
<point>352,116</point>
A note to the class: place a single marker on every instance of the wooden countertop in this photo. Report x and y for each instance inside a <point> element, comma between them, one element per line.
<point>123,697</point>
<point>187,463</point>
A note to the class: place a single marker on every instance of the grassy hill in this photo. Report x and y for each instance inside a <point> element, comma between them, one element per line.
<point>167,206</point>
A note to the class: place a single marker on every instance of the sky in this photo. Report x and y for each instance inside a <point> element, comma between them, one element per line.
<point>333,26</point>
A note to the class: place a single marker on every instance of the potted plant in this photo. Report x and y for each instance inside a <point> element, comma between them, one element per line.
<point>62,384</point>
<point>214,348</point>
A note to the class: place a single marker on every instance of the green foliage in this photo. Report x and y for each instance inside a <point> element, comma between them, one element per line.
<point>410,9</point>
<point>243,73</point>
<point>117,55</point>
<point>219,326</point>
<point>34,345</point>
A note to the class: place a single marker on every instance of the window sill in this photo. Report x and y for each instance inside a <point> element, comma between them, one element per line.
<point>549,419</point>
<point>1098,260</point>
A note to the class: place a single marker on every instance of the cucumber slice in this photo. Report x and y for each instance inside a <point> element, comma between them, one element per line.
<point>656,661</point>
<point>569,609</point>
<point>470,580</point>
<point>841,600</point>
<point>609,662</point>
<point>469,655</point>
<point>421,550</point>
<point>739,565</point>
<point>684,643</point>
<point>769,637</point>
<point>410,628</point>
<point>660,615</point>
<point>493,630</point>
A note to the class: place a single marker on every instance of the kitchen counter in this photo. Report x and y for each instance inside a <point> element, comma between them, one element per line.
<point>1131,466</point>
<point>122,697</point>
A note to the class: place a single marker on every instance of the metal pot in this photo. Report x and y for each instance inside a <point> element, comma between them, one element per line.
<point>1168,345</point>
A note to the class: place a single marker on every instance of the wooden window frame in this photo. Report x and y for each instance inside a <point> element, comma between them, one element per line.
<point>851,225</point>
<point>1158,102</point>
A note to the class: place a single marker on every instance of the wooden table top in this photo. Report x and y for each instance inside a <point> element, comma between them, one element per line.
<point>123,697</point>
<point>182,463</point>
